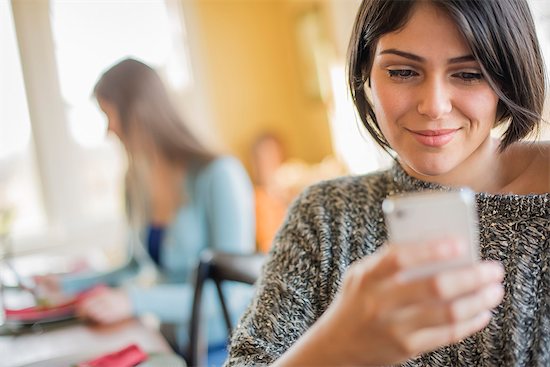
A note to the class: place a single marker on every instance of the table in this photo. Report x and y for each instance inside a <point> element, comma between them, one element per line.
<point>75,342</point>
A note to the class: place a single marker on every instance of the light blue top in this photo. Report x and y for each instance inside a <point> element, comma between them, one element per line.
<point>218,214</point>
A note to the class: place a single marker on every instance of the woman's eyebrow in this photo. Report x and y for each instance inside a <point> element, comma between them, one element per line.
<point>411,56</point>
<point>404,54</point>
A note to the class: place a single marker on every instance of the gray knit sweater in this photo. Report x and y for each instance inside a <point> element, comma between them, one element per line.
<point>335,223</point>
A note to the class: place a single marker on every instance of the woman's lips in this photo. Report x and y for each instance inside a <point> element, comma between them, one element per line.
<point>434,138</point>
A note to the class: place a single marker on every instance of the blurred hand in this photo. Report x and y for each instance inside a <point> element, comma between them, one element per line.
<point>48,290</point>
<point>107,306</point>
<point>381,318</point>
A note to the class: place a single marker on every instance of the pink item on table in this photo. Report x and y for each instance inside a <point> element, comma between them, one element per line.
<point>40,313</point>
<point>126,357</point>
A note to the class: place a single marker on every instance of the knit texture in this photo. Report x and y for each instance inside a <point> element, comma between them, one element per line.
<point>335,223</point>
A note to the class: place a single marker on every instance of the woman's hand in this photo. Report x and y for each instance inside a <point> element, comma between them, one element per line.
<point>106,306</point>
<point>47,290</point>
<point>380,318</point>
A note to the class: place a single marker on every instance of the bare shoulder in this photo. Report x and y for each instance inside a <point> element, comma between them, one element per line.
<point>538,154</point>
<point>530,162</point>
<point>544,164</point>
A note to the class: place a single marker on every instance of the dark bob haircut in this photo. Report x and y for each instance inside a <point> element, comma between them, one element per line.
<point>502,38</point>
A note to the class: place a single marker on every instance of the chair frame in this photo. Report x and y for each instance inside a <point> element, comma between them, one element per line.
<point>219,267</point>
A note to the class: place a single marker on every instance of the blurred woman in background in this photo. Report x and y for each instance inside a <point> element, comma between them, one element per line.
<point>181,200</point>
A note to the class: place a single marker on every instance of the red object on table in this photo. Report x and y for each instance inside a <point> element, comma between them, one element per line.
<point>126,357</point>
<point>38,313</point>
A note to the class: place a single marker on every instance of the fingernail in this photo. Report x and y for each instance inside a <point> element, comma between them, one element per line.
<point>495,292</point>
<point>494,270</point>
<point>485,316</point>
<point>498,271</point>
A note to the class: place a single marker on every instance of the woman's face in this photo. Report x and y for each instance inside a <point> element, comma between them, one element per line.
<point>431,101</point>
<point>113,117</point>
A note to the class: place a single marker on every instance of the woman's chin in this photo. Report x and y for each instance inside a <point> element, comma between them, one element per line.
<point>429,168</point>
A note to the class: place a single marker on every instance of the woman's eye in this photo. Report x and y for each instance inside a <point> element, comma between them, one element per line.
<point>402,73</point>
<point>469,77</point>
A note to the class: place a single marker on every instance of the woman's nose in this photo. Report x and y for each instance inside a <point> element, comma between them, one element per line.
<point>111,128</point>
<point>434,99</point>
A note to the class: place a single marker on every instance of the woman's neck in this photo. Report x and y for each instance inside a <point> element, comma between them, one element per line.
<point>481,171</point>
<point>522,169</point>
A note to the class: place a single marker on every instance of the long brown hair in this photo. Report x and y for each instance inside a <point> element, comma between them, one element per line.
<point>148,119</point>
<point>502,37</point>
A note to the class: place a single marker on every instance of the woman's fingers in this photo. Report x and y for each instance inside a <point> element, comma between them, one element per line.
<point>396,259</point>
<point>48,289</point>
<point>97,311</point>
<point>443,286</point>
<point>459,310</point>
<point>85,308</point>
<point>107,306</point>
<point>457,313</point>
<point>93,307</point>
<point>448,300</point>
<point>456,282</point>
<point>428,339</point>
<point>381,273</point>
<point>407,317</point>
<point>48,280</point>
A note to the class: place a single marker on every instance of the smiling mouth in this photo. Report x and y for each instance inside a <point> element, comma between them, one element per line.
<point>434,138</point>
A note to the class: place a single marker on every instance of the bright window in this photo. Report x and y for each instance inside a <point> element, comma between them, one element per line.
<point>71,191</point>
<point>19,189</point>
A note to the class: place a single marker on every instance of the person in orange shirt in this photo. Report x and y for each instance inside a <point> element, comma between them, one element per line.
<point>271,198</point>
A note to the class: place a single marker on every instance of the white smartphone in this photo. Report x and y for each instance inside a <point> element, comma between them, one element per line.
<point>431,215</point>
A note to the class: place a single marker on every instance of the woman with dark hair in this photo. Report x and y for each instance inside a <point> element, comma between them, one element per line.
<point>430,80</point>
<point>181,200</point>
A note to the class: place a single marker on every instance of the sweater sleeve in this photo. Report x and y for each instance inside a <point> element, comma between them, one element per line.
<point>72,284</point>
<point>160,300</point>
<point>287,300</point>
<point>230,207</point>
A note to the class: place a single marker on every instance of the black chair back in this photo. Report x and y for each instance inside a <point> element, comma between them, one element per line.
<point>219,267</point>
